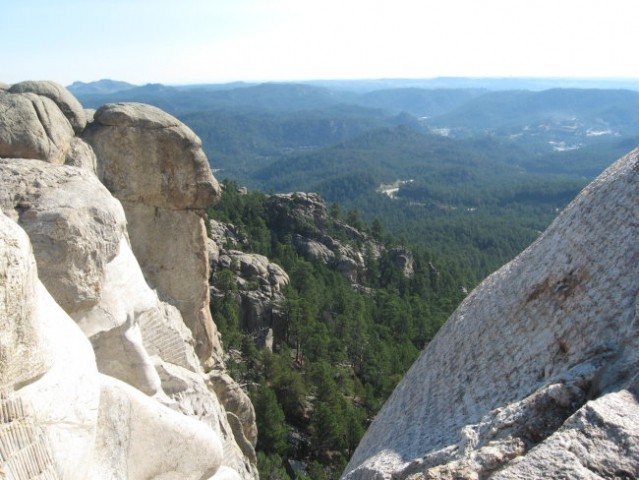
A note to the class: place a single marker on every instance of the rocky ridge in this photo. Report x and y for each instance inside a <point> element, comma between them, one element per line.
<point>319,236</point>
<point>535,374</point>
<point>315,235</point>
<point>104,261</point>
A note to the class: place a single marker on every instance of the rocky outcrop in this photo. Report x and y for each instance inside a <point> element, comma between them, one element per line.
<point>236,402</point>
<point>535,374</point>
<point>71,209</point>
<point>260,283</point>
<point>33,127</point>
<point>318,236</point>
<point>68,104</point>
<point>403,260</point>
<point>155,166</point>
<point>60,417</point>
<point>123,396</point>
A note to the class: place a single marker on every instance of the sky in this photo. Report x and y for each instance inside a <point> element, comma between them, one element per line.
<point>215,41</point>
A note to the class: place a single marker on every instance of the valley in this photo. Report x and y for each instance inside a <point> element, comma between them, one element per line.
<point>324,301</point>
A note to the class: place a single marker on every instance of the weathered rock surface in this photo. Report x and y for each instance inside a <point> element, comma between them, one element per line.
<point>33,126</point>
<point>318,236</point>
<point>59,417</point>
<point>20,336</point>
<point>260,283</point>
<point>74,224</point>
<point>236,402</point>
<point>535,374</point>
<point>155,166</point>
<point>79,235</point>
<point>81,155</point>
<point>147,156</point>
<point>182,447</point>
<point>403,260</point>
<point>68,104</point>
<point>192,396</point>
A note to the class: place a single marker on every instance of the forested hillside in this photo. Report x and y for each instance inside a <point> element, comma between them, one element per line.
<point>339,346</point>
<point>469,168</point>
<point>461,174</point>
<point>469,200</point>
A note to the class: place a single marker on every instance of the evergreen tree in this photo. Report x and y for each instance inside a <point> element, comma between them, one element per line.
<point>270,421</point>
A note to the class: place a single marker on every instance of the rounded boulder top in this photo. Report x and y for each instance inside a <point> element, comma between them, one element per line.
<point>133,114</point>
<point>65,101</point>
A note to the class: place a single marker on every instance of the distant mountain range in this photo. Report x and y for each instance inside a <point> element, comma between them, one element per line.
<point>106,86</point>
<point>100,87</point>
<point>501,155</point>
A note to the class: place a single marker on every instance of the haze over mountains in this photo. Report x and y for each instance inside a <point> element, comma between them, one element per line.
<point>271,119</point>
<point>463,152</point>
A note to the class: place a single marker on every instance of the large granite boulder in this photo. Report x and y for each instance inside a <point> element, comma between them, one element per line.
<point>74,224</point>
<point>148,156</point>
<point>140,439</point>
<point>535,374</point>
<point>155,166</point>
<point>33,126</point>
<point>67,103</point>
<point>60,418</point>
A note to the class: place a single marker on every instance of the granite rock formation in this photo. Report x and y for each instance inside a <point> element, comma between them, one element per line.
<point>306,216</point>
<point>68,104</point>
<point>260,283</point>
<point>33,127</point>
<point>535,374</point>
<point>99,376</point>
<point>318,236</point>
<point>156,167</point>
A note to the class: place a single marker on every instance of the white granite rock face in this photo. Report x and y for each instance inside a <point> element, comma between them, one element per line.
<point>156,167</point>
<point>20,336</point>
<point>59,417</point>
<point>534,375</point>
<point>140,439</point>
<point>74,224</point>
<point>63,403</point>
<point>171,247</point>
<point>191,394</point>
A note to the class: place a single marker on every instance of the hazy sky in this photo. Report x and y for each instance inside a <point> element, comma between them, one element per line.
<point>188,41</point>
